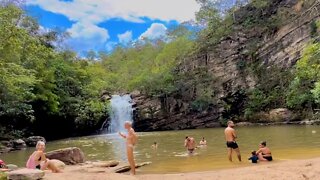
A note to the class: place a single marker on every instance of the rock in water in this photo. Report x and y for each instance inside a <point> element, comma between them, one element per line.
<point>69,156</point>
<point>59,164</point>
<point>32,140</point>
<point>26,174</point>
<point>18,144</point>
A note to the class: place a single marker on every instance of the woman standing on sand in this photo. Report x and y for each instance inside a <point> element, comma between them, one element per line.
<point>38,160</point>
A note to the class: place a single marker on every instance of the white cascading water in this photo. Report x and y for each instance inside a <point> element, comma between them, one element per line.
<point>121,111</point>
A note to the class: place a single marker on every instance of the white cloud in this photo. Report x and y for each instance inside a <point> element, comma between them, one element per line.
<point>88,31</point>
<point>130,10</point>
<point>88,14</point>
<point>156,30</point>
<point>125,37</point>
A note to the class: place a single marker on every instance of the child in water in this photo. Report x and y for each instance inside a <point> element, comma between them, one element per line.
<point>254,158</point>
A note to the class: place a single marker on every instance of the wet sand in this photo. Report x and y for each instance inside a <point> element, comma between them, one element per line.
<point>307,169</point>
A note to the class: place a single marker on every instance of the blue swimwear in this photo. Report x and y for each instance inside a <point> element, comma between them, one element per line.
<point>254,159</point>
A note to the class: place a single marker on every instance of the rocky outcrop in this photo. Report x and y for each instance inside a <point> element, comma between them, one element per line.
<point>18,144</point>
<point>32,140</point>
<point>159,113</point>
<point>28,174</point>
<point>225,62</point>
<point>69,156</point>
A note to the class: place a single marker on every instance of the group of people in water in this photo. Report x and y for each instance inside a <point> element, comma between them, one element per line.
<point>262,154</point>
<point>38,160</point>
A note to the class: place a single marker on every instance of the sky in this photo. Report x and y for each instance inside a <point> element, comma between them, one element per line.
<point>100,25</point>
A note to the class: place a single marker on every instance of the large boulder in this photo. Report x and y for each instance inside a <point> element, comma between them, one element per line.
<point>25,174</point>
<point>280,115</point>
<point>18,144</point>
<point>69,156</point>
<point>32,140</point>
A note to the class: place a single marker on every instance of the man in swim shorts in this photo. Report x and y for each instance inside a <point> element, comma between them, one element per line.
<point>131,139</point>
<point>230,135</point>
<point>190,144</point>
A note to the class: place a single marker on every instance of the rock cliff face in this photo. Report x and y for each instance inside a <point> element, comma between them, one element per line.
<point>282,47</point>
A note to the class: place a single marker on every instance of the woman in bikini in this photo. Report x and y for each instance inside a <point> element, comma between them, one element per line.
<point>264,152</point>
<point>38,160</point>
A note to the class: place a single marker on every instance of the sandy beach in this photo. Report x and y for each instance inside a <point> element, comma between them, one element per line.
<point>307,169</point>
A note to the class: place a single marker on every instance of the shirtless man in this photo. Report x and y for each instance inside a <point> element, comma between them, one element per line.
<point>231,136</point>
<point>131,138</point>
<point>190,144</point>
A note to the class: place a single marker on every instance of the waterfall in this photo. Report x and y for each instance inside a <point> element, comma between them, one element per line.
<point>121,111</point>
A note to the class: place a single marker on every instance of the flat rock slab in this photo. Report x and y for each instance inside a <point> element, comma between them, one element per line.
<point>25,174</point>
<point>105,164</point>
<point>126,168</point>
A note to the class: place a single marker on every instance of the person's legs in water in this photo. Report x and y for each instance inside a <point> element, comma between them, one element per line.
<point>131,159</point>
<point>237,150</point>
<point>230,154</point>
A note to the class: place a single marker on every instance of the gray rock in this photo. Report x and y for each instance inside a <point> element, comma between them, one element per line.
<point>69,156</point>
<point>25,174</point>
<point>32,140</point>
<point>18,144</point>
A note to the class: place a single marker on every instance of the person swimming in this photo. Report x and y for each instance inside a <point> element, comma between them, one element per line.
<point>38,160</point>
<point>254,158</point>
<point>154,145</point>
<point>190,144</point>
<point>203,142</point>
<point>264,152</point>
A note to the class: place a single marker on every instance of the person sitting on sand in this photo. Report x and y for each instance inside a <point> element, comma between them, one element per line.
<point>38,160</point>
<point>264,152</point>
<point>154,145</point>
<point>203,142</point>
<point>131,139</point>
<point>190,144</point>
<point>254,158</point>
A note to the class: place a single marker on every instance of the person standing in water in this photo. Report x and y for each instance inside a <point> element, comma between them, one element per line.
<point>131,140</point>
<point>230,135</point>
<point>190,144</point>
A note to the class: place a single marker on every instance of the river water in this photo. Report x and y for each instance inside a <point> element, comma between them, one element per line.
<point>286,142</point>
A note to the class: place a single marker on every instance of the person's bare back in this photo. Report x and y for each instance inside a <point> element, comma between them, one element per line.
<point>230,134</point>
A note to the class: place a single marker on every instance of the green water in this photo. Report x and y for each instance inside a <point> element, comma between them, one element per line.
<point>285,142</point>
